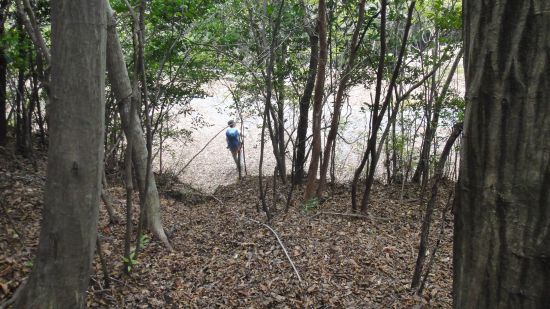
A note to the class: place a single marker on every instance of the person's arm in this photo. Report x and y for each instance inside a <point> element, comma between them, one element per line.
<point>226,139</point>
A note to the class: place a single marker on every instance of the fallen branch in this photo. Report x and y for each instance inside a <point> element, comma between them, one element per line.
<point>280,243</point>
<point>272,231</point>
<point>344,214</point>
<point>193,158</point>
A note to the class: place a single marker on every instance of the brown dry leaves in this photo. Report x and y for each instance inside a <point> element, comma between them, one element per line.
<point>222,260</point>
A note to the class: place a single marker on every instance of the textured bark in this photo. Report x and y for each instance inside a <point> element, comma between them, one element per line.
<point>502,208</point>
<point>122,88</point>
<point>305,101</point>
<point>309,191</point>
<point>68,233</point>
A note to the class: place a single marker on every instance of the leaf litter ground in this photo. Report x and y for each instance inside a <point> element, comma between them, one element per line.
<point>222,259</point>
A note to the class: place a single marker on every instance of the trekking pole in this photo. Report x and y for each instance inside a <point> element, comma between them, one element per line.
<point>198,153</point>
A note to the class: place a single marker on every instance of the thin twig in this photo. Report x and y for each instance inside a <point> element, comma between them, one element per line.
<point>280,243</point>
<point>344,214</point>
<point>272,231</point>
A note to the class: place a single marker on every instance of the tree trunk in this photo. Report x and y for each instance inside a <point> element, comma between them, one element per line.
<point>305,101</point>
<point>19,101</point>
<point>423,163</point>
<point>122,88</point>
<point>309,191</point>
<point>377,121</point>
<point>65,252</point>
<point>427,222</point>
<point>273,129</point>
<point>3,75</point>
<point>502,208</point>
<point>376,106</point>
<point>280,87</point>
<point>342,87</point>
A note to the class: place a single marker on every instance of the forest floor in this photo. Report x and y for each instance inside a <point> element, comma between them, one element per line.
<point>225,258</point>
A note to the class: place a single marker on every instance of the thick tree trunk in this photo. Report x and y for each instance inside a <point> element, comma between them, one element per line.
<point>122,88</point>
<point>305,101</point>
<point>68,234</point>
<point>318,94</point>
<point>502,208</point>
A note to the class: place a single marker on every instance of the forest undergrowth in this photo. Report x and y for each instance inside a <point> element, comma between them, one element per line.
<point>225,258</point>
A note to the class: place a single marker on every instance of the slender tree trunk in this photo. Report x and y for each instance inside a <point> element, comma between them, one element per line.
<point>376,106</point>
<point>427,221</point>
<point>35,99</point>
<point>305,101</point>
<point>149,135</point>
<point>28,112</point>
<point>430,97</point>
<point>422,168</point>
<point>342,87</point>
<point>280,86</point>
<point>120,82</point>
<point>20,95</point>
<point>374,154</point>
<point>309,191</point>
<point>273,129</point>
<point>3,77</point>
<point>68,233</point>
<point>502,207</point>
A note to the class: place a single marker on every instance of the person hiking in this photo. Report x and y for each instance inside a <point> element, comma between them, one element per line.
<point>232,136</point>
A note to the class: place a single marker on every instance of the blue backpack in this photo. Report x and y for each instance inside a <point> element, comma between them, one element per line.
<point>232,135</point>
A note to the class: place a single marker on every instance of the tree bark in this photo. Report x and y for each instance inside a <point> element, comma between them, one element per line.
<point>423,163</point>
<point>502,208</point>
<point>280,123</point>
<point>318,94</point>
<point>20,111</point>
<point>68,233</point>
<point>376,106</point>
<point>427,221</point>
<point>305,101</point>
<point>122,88</point>
<point>377,121</point>
<point>342,87</point>
<point>3,75</point>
